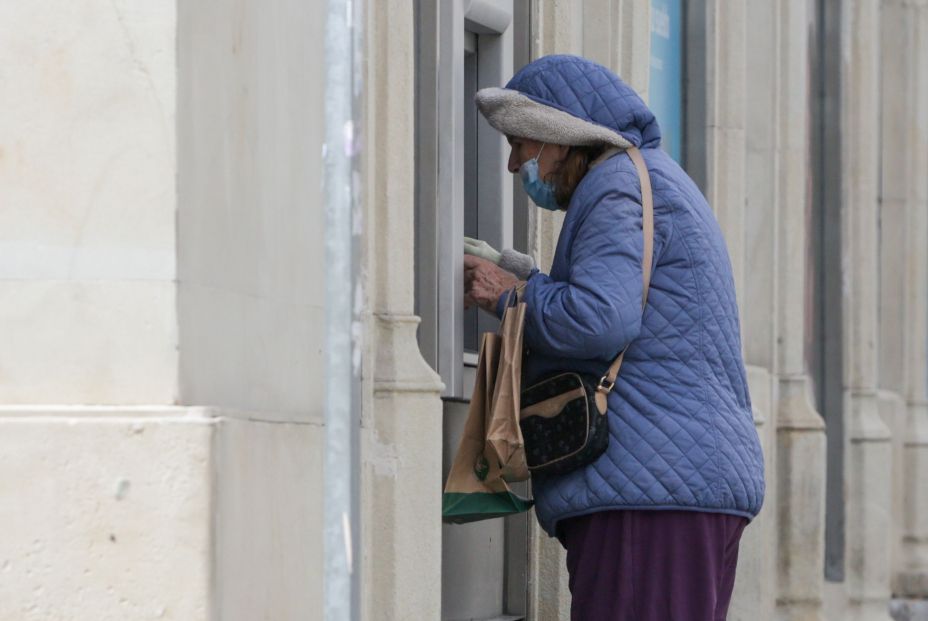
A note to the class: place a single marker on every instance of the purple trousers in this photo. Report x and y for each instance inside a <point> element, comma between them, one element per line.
<point>651,565</point>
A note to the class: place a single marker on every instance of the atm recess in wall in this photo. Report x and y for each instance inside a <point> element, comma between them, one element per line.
<point>462,185</point>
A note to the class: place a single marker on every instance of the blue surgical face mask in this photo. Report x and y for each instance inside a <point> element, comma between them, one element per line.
<point>541,193</point>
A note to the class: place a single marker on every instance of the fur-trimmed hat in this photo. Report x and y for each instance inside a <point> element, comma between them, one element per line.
<point>569,100</point>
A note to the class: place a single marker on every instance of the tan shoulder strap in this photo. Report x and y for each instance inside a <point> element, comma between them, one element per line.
<point>647,222</point>
<point>607,382</point>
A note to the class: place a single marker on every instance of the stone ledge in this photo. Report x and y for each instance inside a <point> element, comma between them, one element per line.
<point>179,413</point>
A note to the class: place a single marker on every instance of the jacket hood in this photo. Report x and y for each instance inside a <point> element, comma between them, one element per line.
<point>572,101</point>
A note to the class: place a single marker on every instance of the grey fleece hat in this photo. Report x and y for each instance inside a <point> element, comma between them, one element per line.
<point>571,101</point>
<point>515,114</point>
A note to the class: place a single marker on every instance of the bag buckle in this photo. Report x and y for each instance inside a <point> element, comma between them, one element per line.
<point>605,385</point>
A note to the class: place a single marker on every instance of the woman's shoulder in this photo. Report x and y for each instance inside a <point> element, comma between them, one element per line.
<point>618,177</point>
<point>608,190</point>
<point>617,173</point>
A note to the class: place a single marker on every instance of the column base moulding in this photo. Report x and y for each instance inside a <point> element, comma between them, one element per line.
<point>800,501</point>
<point>398,364</point>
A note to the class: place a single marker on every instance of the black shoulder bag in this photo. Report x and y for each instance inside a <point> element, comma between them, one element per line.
<point>563,417</point>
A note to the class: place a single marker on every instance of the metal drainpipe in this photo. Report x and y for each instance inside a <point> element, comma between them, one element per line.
<point>343,301</point>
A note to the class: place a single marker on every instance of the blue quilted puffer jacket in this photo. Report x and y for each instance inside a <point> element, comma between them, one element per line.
<point>682,431</point>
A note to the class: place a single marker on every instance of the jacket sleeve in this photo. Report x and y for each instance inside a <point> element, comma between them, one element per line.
<point>597,311</point>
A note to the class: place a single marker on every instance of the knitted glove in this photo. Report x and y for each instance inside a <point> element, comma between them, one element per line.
<point>514,262</point>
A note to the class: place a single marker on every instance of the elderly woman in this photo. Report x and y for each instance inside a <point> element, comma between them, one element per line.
<point>652,526</point>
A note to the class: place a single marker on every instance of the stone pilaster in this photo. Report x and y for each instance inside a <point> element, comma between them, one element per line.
<point>549,591</point>
<point>867,449</point>
<point>800,472</point>
<point>912,570</point>
<point>725,121</point>
<point>800,501</point>
<point>401,439</point>
<point>896,174</point>
<point>617,34</point>
<point>632,47</point>
<point>753,597</point>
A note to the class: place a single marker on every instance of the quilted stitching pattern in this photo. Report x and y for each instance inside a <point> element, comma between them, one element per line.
<point>682,433</point>
<point>590,92</point>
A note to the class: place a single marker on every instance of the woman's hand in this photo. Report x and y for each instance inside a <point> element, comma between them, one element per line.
<point>484,283</point>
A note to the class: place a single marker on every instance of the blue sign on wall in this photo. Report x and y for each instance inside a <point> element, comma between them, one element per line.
<point>666,85</point>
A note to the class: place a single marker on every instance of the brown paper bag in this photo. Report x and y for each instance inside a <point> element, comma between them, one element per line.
<point>504,436</point>
<point>476,489</point>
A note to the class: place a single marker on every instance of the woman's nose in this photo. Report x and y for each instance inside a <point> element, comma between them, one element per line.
<point>514,163</point>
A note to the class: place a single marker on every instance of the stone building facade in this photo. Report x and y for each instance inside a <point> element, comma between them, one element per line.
<point>161,325</point>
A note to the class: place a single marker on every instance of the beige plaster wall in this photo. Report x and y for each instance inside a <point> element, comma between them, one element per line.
<point>250,291</point>
<point>267,520</point>
<point>105,514</point>
<point>87,159</point>
<point>120,514</point>
<point>250,222</point>
<point>130,508</point>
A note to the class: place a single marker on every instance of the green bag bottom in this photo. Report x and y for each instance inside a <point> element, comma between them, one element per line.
<point>460,508</point>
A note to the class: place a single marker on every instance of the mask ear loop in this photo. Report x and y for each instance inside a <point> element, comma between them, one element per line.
<point>543,145</point>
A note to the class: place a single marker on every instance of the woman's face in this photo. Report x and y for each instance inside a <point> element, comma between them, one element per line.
<point>524,149</point>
